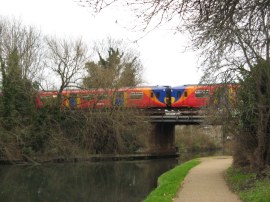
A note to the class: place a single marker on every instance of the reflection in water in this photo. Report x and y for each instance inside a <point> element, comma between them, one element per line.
<point>97,182</point>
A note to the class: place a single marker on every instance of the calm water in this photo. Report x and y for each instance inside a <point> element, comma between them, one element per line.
<point>97,182</point>
<point>116,181</point>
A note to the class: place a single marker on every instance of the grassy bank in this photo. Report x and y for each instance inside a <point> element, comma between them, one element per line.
<point>249,186</point>
<point>170,182</point>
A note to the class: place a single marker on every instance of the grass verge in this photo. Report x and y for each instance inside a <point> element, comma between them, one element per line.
<point>170,182</point>
<point>248,186</point>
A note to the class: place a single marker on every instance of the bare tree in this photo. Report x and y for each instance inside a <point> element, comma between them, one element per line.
<point>27,41</point>
<point>232,35</point>
<point>66,58</point>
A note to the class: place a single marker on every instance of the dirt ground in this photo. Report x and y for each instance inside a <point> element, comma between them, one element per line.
<point>206,183</point>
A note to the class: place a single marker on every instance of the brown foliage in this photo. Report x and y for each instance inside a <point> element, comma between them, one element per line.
<point>101,131</point>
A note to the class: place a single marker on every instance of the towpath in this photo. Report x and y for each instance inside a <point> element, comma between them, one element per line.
<point>206,183</point>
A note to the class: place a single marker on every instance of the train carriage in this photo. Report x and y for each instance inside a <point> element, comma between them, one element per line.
<point>138,97</point>
<point>74,99</point>
<point>148,97</point>
<point>46,99</point>
<point>191,96</point>
<point>195,97</point>
<point>186,97</point>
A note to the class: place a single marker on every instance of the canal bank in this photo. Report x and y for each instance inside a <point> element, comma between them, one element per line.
<point>91,158</point>
<point>197,180</point>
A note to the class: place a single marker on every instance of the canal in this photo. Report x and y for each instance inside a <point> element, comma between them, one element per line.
<point>115,181</point>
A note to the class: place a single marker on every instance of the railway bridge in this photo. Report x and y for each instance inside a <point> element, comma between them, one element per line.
<point>162,136</point>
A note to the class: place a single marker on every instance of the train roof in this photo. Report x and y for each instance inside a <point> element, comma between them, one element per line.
<point>105,89</point>
<point>203,84</point>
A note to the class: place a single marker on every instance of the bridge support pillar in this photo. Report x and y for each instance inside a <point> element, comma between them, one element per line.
<point>162,138</point>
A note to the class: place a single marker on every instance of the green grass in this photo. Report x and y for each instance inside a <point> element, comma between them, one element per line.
<point>248,186</point>
<point>170,182</point>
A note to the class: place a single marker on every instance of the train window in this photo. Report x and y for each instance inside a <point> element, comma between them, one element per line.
<point>119,95</point>
<point>103,97</point>
<point>44,97</point>
<point>158,95</point>
<point>47,100</point>
<point>48,97</point>
<point>178,94</point>
<point>185,94</point>
<point>73,95</point>
<point>152,94</point>
<point>202,93</point>
<point>88,97</point>
<point>136,95</point>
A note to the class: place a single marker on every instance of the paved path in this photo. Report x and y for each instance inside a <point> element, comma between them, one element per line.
<point>205,182</point>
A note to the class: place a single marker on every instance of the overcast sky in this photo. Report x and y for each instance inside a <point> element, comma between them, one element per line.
<point>162,51</point>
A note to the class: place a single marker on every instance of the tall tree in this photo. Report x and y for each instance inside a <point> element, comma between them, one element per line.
<point>254,117</point>
<point>17,99</point>
<point>116,69</point>
<point>66,59</point>
<point>28,44</point>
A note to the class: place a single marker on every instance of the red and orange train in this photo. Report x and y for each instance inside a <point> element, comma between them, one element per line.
<point>190,97</point>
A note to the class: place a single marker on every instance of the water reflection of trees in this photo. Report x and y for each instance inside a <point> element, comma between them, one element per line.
<point>106,181</point>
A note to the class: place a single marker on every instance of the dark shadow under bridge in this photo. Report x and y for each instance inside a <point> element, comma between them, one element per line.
<point>162,136</point>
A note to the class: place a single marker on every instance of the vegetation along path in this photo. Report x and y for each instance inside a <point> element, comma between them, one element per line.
<point>206,183</point>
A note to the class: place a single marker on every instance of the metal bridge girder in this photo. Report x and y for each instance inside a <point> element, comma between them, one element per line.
<point>177,119</point>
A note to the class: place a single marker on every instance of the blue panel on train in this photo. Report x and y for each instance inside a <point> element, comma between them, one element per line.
<point>162,93</point>
<point>72,102</point>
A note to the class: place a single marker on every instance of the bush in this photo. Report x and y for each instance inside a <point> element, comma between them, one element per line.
<point>198,138</point>
<point>249,186</point>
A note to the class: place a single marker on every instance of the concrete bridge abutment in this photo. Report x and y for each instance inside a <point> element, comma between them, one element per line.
<point>162,138</point>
